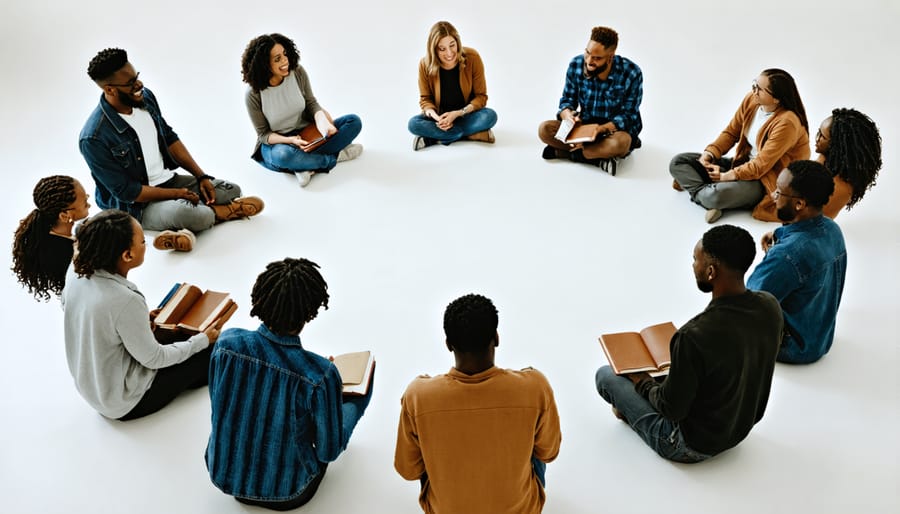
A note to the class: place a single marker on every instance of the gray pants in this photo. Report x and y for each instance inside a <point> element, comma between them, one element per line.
<point>738,194</point>
<point>177,214</point>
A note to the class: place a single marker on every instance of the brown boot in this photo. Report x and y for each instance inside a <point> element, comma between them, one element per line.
<point>239,208</point>
<point>485,136</point>
<point>180,241</point>
<point>676,186</point>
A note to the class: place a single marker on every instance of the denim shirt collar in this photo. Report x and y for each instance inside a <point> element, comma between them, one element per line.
<point>277,339</point>
<point>113,115</point>
<point>799,226</point>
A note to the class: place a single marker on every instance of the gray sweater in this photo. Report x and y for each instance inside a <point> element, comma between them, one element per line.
<point>110,348</point>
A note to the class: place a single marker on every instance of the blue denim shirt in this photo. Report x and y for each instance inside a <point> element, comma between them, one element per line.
<point>616,99</point>
<point>113,153</point>
<point>805,271</point>
<point>276,415</point>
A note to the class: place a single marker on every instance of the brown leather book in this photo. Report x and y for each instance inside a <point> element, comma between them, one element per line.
<point>585,133</point>
<point>192,310</point>
<point>633,352</point>
<point>312,136</point>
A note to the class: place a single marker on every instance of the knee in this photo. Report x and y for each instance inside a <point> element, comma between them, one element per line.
<point>547,129</point>
<point>196,218</point>
<point>602,378</point>
<point>489,117</point>
<point>280,154</point>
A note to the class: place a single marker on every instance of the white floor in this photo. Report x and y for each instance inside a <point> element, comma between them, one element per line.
<point>565,251</point>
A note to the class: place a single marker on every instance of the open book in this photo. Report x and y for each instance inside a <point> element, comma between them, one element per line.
<point>188,308</point>
<point>312,136</point>
<point>356,371</point>
<point>575,132</point>
<point>633,352</point>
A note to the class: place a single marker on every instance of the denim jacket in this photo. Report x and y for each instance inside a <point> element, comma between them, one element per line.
<point>805,271</point>
<point>276,415</point>
<point>113,153</point>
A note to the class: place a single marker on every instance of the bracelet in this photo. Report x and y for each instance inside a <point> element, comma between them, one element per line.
<point>201,178</point>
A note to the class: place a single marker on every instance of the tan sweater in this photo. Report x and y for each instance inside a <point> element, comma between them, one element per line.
<point>782,139</point>
<point>471,81</point>
<point>474,436</point>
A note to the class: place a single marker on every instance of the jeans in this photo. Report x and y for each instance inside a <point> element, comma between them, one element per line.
<point>662,435</point>
<point>288,158</point>
<point>178,214</point>
<point>736,194</point>
<point>476,121</point>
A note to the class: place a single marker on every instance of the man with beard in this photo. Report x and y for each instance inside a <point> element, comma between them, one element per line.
<point>131,152</point>
<point>722,361</point>
<point>805,262</point>
<point>602,88</point>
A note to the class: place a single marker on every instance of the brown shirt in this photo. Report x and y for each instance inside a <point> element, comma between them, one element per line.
<point>474,436</point>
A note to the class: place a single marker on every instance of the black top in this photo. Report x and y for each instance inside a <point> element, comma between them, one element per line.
<point>451,94</point>
<point>721,372</point>
<point>55,256</point>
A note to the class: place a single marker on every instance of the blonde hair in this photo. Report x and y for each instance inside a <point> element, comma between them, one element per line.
<point>439,31</point>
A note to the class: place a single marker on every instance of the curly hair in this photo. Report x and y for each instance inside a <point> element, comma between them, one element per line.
<point>106,63</point>
<point>288,294</point>
<point>52,196</point>
<point>439,31</point>
<point>470,323</point>
<point>730,245</point>
<point>101,240</point>
<point>854,151</point>
<point>784,89</point>
<point>256,69</point>
<point>812,181</point>
<point>606,36</point>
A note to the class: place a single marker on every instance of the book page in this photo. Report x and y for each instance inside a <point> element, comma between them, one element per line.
<point>657,339</point>
<point>627,353</point>
<point>565,126</point>
<point>178,305</point>
<point>352,366</point>
<point>210,303</point>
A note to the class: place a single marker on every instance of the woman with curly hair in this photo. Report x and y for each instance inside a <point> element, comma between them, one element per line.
<point>281,104</point>
<point>118,366</point>
<point>43,243</point>
<point>849,145</point>
<point>770,130</point>
<point>452,92</point>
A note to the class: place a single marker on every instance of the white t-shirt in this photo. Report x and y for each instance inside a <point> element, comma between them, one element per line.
<point>142,123</point>
<point>759,119</point>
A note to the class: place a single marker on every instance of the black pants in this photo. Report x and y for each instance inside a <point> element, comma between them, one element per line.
<point>172,381</point>
<point>290,504</point>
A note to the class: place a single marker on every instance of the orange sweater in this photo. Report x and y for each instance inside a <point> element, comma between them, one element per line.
<point>471,81</point>
<point>474,436</point>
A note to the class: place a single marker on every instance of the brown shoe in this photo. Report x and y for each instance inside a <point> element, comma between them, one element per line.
<point>239,208</point>
<point>180,241</point>
<point>618,414</point>
<point>485,136</point>
<point>676,186</point>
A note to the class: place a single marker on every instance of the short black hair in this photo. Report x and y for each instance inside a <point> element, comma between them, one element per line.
<point>606,36</point>
<point>106,63</point>
<point>255,68</point>
<point>812,181</point>
<point>101,241</point>
<point>730,245</point>
<point>288,294</point>
<point>470,323</point>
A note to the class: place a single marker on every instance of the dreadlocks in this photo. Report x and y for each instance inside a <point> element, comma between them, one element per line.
<point>101,241</point>
<point>854,152</point>
<point>52,196</point>
<point>288,294</point>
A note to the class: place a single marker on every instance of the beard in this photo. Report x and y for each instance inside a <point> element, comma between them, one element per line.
<point>786,214</point>
<point>596,71</point>
<point>127,99</point>
<point>704,286</point>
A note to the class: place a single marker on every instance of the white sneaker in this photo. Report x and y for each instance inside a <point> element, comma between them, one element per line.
<point>350,152</point>
<point>713,215</point>
<point>303,177</point>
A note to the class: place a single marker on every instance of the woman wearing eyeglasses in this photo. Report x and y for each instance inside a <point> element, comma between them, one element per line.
<point>849,145</point>
<point>770,130</point>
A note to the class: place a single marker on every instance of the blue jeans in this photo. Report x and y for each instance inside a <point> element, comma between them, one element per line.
<point>178,214</point>
<point>288,158</point>
<point>737,194</point>
<point>662,435</point>
<point>476,121</point>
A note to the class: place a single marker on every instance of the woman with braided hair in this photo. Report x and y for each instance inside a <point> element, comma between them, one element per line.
<point>43,243</point>
<point>267,374</point>
<point>119,367</point>
<point>849,145</point>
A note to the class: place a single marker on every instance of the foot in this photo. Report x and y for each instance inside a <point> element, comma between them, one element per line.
<point>181,241</point>
<point>713,215</point>
<point>350,152</point>
<point>239,208</point>
<point>618,414</point>
<point>549,153</point>
<point>420,142</point>
<point>676,186</point>
<point>485,136</point>
<point>304,177</point>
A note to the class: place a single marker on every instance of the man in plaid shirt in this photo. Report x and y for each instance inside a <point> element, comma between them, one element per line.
<point>602,88</point>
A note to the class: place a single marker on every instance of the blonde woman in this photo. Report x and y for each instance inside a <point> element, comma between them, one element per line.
<point>452,93</point>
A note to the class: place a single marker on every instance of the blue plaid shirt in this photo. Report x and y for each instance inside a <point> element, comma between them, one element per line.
<point>616,99</point>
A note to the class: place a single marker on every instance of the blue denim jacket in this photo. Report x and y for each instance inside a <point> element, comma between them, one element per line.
<point>113,153</point>
<point>805,271</point>
<point>277,413</point>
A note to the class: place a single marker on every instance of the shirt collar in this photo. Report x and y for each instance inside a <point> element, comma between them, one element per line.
<point>277,339</point>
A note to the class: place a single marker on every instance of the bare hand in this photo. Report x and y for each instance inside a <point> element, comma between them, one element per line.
<point>569,114</point>
<point>208,191</point>
<point>212,333</point>
<point>766,242</point>
<point>153,314</point>
<point>327,129</point>
<point>637,377</point>
<point>715,172</point>
<point>185,194</point>
<point>705,159</point>
<point>445,121</point>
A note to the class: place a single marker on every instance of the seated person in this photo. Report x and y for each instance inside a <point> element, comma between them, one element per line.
<point>770,130</point>
<point>849,145</point>
<point>603,88</point>
<point>119,367</point>
<point>452,93</point>
<point>266,374</point>
<point>805,262</point>
<point>43,245</point>
<point>722,362</point>
<point>281,103</point>
<point>131,152</point>
<point>478,437</point>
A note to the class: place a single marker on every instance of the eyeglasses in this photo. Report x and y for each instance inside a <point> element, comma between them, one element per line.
<point>755,88</point>
<point>820,135</point>
<point>130,84</point>
<point>777,194</point>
